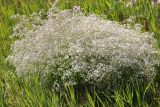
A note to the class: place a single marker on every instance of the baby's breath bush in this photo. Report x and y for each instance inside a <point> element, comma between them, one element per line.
<point>71,48</point>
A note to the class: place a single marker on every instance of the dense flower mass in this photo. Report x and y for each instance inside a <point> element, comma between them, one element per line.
<point>26,23</point>
<point>70,45</point>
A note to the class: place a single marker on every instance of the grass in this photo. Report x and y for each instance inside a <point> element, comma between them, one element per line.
<point>19,92</point>
<point>29,92</point>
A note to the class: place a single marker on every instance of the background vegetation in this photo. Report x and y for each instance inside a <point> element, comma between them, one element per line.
<point>15,91</point>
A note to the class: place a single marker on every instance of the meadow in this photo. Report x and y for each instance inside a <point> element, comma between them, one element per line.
<point>30,91</point>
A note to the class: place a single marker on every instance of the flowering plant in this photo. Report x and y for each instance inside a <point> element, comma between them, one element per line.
<point>77,8</point>
<point>71,48</point>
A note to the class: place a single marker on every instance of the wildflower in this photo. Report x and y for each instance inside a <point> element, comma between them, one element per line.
<point>77,8</point>
<point>156,1</point>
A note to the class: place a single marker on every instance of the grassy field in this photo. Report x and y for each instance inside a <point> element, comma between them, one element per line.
<point>19,92</point>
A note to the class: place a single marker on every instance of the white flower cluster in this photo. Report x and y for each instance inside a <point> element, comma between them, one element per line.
<point>70,44</point>
<point>27,23</point>
<point>131,23</point>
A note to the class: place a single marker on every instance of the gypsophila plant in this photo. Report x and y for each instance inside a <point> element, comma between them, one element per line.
<point>27,23</point>
<point>71,48</point>
<point>131,24</point>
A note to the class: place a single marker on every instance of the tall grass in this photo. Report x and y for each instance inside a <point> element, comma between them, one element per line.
<point>29,92</point>
<point>19,92</point>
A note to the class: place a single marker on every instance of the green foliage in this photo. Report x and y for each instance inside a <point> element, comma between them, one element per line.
<point>30,92</point>
<point>21,92</point>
